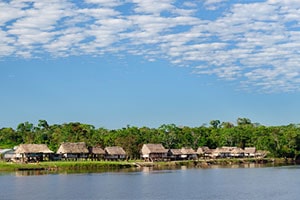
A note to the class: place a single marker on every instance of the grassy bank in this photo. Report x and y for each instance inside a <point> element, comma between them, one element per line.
<point>66,165</point>
<point>204,163</point>
<point>101,165</point>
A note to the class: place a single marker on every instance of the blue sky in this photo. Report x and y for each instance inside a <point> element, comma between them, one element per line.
<point>113,63</point>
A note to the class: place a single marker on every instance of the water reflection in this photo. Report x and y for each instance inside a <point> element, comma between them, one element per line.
<point>31,173</point>
<point>215,183</point>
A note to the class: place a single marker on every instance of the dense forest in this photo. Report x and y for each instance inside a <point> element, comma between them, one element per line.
<point>280,141</point>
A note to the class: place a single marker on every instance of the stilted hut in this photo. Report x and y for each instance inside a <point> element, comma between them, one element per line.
<point>223,152</point>
<point>73,151</point>
<point>250,152</point>
<point>175,154</point>
<point>115,153</point>
<point>204,152</point>
<point>33,152</point>
<point>153,152</point>
<point>237,152</point>
<point>96,153</point>
<point>188,153</point>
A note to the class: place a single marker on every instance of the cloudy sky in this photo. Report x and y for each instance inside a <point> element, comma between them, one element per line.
<point>113,63</point>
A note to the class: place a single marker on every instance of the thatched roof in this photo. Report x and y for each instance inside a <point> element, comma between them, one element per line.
<point>237,150</point>
<point>115,150</point>
<point>33,148</point>
<point>188,151</point>
<point>224,149</point>
<point>175,152</point>
<point>250,150</point>
<point>97,150</point>
<point>68,147</point>
<point>154,148</point>
<point>204,150</point>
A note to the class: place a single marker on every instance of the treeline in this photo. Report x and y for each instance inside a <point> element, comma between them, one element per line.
<point>280,141</point>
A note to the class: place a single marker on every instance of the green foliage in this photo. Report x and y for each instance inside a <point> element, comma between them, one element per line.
<point>215,123</point>
<point>280,141</point>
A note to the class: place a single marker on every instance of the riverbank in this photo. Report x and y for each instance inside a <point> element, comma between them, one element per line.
<point>99,165</point>
<point>205,163</point>
<point>66,165</point>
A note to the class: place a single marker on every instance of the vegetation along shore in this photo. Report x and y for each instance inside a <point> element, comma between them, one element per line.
<point>281,142</point>
<point>116,165</point>
<point>66,165</point>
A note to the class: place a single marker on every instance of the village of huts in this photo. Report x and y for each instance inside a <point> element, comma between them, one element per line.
<point>149,153</point>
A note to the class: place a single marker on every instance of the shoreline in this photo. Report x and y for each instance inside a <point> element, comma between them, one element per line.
<point>109,165</point>
<point>205,163</point>
<point>65,165</point>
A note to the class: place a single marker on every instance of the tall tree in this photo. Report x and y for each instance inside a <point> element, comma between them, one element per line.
<point>243,121</point>
<point>215,123</point>
<point>26,130</point>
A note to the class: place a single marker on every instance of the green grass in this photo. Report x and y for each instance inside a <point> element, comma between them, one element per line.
<point>4,166</point>
<point>112,165</point>
<point>67,165</point>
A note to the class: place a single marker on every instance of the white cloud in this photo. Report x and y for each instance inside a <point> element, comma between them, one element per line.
<point>6,44</point>
<point>9,12</point>
<point>34,24</point>
<point>258,42</point>
<point>255,43</point>
<point>98,12</point>
<point>213,4</point>
<point>189,4</point>
<point>105,3</point>
<point>153,7</point>
<point>213,1</point>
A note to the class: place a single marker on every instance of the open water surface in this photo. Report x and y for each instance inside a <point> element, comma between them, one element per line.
<point>269,183</point>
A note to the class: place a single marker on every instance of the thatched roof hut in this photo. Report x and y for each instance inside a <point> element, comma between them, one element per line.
<point>97,150</point>
<point>74,148</point>
<point>250,151</point>
<point>224,149</point>
<point>114,153</point>
<point>237,152</point>
<point>33,152</point>
<point>153,148</point>
<point>175,152</point>
<point>115,150</point>
<point>204,150</point>
<point>151,152</point>
<point>188,151</point>
<point>33,148</point>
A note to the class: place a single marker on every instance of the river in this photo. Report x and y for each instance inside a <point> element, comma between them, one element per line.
<point>258,183</point>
